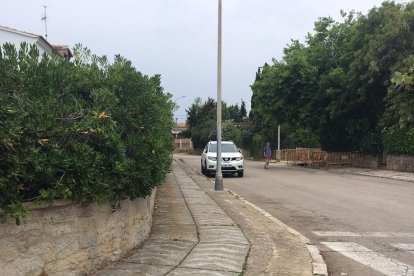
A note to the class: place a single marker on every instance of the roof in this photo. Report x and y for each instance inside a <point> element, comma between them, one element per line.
<point>26,34</point>
<point>18,31</point>
<point>63,50</point>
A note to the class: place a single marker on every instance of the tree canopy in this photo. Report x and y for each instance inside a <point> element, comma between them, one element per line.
<point>349,87</point>
<point>202,122</point>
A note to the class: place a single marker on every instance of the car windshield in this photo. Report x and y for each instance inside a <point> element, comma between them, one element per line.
<point>224,148</point>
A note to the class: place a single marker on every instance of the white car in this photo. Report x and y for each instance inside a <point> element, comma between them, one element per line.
<point>231,159</point>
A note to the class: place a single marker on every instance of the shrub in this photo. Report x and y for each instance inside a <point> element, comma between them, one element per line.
<point>82,130</point>
<point>400,141</point>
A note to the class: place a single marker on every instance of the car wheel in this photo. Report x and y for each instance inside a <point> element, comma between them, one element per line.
<point>240,173</point>
<point>203,170</point>
<point>207,172</point>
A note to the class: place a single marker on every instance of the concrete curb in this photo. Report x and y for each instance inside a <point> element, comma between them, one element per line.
<point>318,264</point>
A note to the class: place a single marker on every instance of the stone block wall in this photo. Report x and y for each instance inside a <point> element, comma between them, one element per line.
<point>401,163</point>
<point>73,239</point>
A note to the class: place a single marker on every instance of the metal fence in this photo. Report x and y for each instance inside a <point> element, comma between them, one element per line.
<point>317,157</point>
<point>183,145</point>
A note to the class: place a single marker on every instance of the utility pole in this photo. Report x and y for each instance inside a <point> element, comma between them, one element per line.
<point>45,19</point>
<point>278,137</point>
<point>219,177</point>
<point>279,155</point>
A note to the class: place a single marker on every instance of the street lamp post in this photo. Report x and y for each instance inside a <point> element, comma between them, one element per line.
<point>176,107</point>
<point>175,101</point>
<point>179,98</point>
<point>219,177</point>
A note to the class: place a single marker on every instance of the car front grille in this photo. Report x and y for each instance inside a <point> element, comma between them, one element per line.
<point>228,159</point>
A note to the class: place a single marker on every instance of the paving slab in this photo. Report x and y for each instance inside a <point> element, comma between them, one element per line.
<point>168,211</point>
<point>129,269</point>
<point>222,234</point>
<point>174,219</point>
<point>194,193</point>
<point>161,252</point>
<point>217,256</point>
<point>185,232</point>
<point>206,209</point>
<point>191,235</point>
<point>213,219</point>
<point>200,272</point>
<point>203,201</point>
<point>170,200</point>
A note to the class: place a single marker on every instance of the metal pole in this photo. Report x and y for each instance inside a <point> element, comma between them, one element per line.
<point>278,137</point>
<point>279,154</point>
<point>45,19</point>
<point>175,103</point>
<point>219,177</point>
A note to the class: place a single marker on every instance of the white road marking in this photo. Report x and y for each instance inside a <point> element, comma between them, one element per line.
<point>370,258</point>
<point>363,234</point>
<point>405,246</point>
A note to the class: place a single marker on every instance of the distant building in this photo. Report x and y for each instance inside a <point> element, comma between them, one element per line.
<point>63,51</point>
<point>178,129</point>
<point>180,142</point>
<point>16,37</point>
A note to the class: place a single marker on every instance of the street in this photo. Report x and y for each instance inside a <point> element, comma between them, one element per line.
<point>362,225</point>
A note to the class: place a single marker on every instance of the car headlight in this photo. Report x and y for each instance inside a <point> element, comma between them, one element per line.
<point>239,158</point>
<point>212,158</point>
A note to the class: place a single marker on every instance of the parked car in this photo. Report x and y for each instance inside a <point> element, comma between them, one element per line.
<point>231,159</point>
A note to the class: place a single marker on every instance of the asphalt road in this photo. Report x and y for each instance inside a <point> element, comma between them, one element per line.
<point>363,225</point>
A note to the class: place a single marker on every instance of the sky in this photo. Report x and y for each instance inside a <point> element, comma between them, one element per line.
<point>178,38</point>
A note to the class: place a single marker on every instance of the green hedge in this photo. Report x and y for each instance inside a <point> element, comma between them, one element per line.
<point>400,141</point>
<point>89,129</point>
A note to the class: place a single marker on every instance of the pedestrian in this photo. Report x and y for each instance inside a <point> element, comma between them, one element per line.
<point>267,152</point>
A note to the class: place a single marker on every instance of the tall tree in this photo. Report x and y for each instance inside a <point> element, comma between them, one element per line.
<point>201,121</point>
<point>333,89</point>
<point>234,113</point>
<point>243,111</point>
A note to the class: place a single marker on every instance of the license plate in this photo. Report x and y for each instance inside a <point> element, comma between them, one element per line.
<point>226,165</point>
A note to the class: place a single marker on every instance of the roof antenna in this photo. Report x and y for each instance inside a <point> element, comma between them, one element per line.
<point>45,19</point>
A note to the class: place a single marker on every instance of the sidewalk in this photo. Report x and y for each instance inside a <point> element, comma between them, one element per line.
<point>406,176</point>
<point>199,231</point>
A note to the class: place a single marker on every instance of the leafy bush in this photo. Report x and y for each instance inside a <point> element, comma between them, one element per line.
<point>400,141</point>
<point>230,131</point>
<point>82,130</point>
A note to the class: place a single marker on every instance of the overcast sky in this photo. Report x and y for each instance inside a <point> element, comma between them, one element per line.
<point>178,38</point>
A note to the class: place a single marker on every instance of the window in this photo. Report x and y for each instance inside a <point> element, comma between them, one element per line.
<point>224,148</point>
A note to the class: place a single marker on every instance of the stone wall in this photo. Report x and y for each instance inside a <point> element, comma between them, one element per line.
<point>73,239</point>
<point>402,163</point>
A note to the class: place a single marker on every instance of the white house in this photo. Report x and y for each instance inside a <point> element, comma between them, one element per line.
<point>16,37</point>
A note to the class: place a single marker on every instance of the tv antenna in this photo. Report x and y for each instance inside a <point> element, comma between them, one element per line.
<point>45,19</point>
